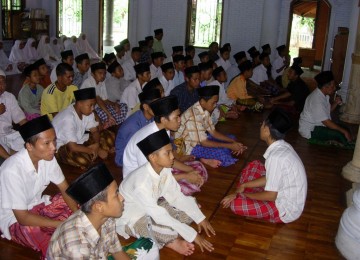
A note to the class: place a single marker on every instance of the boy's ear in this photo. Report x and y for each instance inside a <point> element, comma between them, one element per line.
<point>151,157</point>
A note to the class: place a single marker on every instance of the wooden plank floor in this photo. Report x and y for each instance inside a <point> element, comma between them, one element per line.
<point>310,237</point>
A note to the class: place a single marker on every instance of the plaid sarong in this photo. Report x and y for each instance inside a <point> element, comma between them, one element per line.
<point>222,154</point>
<point>38,238</point>
<point>189,188</point>
<point>119,117</point>
<point>254,208</point>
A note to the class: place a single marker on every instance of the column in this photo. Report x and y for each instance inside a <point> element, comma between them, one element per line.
<point>108,41</point>
<point>351,170</point>
<point>351,112</point>
<point>270,25</point>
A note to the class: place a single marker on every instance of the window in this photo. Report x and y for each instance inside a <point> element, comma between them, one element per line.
<point>11,19</point>
<point>70,17</point>
<point>204,22</point>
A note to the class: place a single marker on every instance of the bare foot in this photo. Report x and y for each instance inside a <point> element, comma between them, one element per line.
<point>102,154</point>
<point>182,247</point>
<point>211,162</point>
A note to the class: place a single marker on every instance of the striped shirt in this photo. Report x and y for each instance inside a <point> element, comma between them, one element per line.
<point>77,238</point>
<point>285,174</point>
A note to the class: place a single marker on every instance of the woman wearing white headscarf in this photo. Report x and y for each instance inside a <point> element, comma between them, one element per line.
<point>31,54</point>
<point>5,64</point>
<point>85,47</point>
<point>61,41</point>
<point>46,52</point>
<point>70,45</point>
<point>17,55</point>
<point>55,45</point>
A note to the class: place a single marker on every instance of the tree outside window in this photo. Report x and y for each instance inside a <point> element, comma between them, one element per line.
<point>204,22</point>
<point>70,17</point>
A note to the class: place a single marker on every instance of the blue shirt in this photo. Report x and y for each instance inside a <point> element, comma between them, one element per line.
<point>128,128</point>
<point>178,78</point>
<point>185,97</point>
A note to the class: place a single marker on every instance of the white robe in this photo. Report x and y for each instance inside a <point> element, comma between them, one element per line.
<point>45,51</point>
<point>31,54</point>
<point>85,47</point>
<point>17,55</point>
<point>5,62</point>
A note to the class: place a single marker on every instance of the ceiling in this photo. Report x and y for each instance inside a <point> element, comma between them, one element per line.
<point>305,8</point>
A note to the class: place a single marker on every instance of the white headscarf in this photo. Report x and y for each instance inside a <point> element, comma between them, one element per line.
<point>85,47</point>
<point>17,55</point>
<point>5,62</point>
<point>56,47</point>
<point>31,54</point>
<point>44,49</point>
<point>61,42</point>
<point>69,45</point>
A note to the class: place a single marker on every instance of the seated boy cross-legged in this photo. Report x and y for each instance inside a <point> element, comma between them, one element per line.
<point>79,141</point>
<point>276,191</point>
<point>167,219</point>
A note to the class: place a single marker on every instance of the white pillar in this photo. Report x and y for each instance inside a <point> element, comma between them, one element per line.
<point>270,25</point>
<point>109,41</point>
<point>351,112</point>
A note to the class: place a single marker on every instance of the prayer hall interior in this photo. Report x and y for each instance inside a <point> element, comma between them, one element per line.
<point>245,23</point>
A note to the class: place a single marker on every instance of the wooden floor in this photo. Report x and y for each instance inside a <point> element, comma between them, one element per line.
<point>310,237</point>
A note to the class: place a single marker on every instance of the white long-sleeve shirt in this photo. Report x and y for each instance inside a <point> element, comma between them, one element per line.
<point>141,191</point>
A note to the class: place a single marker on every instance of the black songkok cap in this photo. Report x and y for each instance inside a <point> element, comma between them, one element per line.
<point>190,70</point>
<point>136,49</point>
<point>187,57</point>
<point>238,56</point>
<point>141,67</point>
<point>167,66</point>
<point>85,94</point>
<point>208,91</point>
<point>281,47</point>
<point>149,38</point>
<point>297,60</point>
<point>158,31</point>
<point>125,41</point>
<point>217,71</point>
<point>98,66</point>
<point>156,55</point>
<point>119,48</point>
<point>89,184</point>
<point>252,50</point>
<point>224,49</point>
<point>154,142</point>
<point>177,48</point>
<point>152,84</point>
<point>34,127</point>
<point>28,69</point>
<point>113,66</point>
<point>108,57</point>
<point>81,57</point>
<point>244,66</point>
<point>263,55</point>
<point>189,48</point>
<point>203,54</point>
<point>149,95</point>
<point>265,46</point>
<point>205,66</point>
<point>178,58</point>
<point>65,54</point>
<point>39,62</point>
<point>324,77</point>
<point>164,106</point>
<point>297,69</point>
<point>280,120</point>
<point>142,43</point>
<point>255,54</point>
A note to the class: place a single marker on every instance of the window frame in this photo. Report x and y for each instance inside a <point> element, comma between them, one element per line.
<point>58,16</point>
<point>189,25</point>
<point>14,14</point>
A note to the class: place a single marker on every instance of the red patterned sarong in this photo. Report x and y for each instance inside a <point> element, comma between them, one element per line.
<point>38,238</point>
<point>189,188</point>
<point>254,208</point>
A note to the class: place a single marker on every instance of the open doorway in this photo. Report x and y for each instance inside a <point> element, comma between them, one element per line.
<point>114,23</point>
<point>308,32</point>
